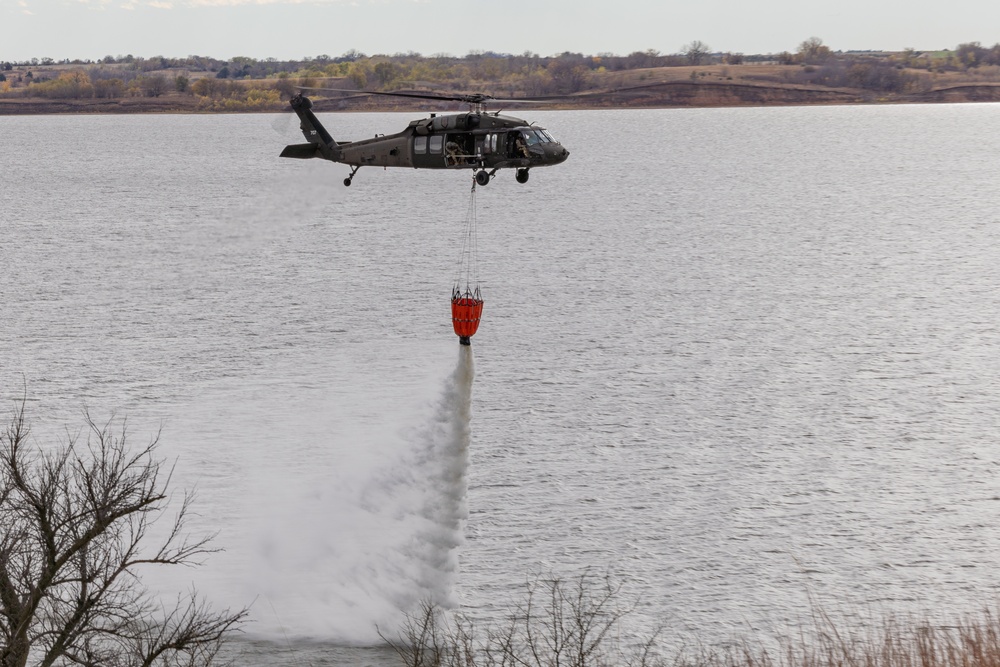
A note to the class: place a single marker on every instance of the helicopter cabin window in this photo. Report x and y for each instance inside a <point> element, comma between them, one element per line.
<point>490,143</point>
<point>436,143</point>
<point>419,144</point>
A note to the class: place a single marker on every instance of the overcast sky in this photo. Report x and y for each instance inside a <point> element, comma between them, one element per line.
<point>292,29</point>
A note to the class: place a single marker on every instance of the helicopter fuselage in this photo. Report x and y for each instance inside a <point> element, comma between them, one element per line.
<point>474,140</point>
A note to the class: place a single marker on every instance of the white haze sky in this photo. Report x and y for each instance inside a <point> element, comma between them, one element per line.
<point>292,29</point>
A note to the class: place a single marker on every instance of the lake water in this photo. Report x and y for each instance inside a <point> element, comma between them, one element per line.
<point>746,359</point>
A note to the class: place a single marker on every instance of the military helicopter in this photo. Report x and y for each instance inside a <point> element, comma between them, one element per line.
<point>479,140</point>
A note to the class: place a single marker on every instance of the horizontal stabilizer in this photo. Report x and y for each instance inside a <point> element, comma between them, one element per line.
<point>302,151</point>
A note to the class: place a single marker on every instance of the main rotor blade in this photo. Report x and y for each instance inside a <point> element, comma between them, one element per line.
<point>470,98</point>
<point>531,100</point>
<point>477,97</point>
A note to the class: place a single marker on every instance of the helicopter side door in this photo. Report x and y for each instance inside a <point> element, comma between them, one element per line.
<point>428,151</point>
<point>460,149</point>
<point>516,145</point>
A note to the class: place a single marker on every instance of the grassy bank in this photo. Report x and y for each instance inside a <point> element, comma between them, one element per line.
<point>583,622</point>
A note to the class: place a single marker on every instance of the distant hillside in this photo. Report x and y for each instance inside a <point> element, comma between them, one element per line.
<point>813,75</point>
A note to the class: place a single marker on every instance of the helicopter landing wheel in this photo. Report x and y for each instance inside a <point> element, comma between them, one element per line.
<point>521,175</point>
<point>354,170</point>
<point>482,177</point>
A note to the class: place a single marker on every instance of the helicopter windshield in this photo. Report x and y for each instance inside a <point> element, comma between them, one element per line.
<point>536,136</point>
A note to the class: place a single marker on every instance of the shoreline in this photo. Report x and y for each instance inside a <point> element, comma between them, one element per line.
<point>659,95</point>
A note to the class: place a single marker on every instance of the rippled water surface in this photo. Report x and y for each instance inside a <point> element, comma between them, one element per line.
<point>745,358</point>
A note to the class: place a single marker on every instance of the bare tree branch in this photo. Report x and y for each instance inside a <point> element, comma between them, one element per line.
<point>558,624</point>
<point>74,526</point>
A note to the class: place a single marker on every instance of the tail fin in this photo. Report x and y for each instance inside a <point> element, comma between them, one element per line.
<point>321,144</point>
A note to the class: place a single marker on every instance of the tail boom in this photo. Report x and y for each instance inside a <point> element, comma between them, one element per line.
<point>321,144</point>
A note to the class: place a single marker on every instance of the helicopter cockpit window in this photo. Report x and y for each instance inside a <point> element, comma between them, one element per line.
<point>436,143</point>
<point>419,144</point>
<point>530,137</point>
<point>537,136</point>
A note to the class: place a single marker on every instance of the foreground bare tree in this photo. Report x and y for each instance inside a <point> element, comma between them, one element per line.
<point>559,624</point>
<point>75,526</point>
<point>575,623</point>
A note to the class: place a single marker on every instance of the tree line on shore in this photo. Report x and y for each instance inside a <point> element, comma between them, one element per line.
<point>248,83</point>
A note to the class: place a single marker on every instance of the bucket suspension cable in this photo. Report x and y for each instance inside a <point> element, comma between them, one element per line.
<point>467,269</point>
<point>466,301</point>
